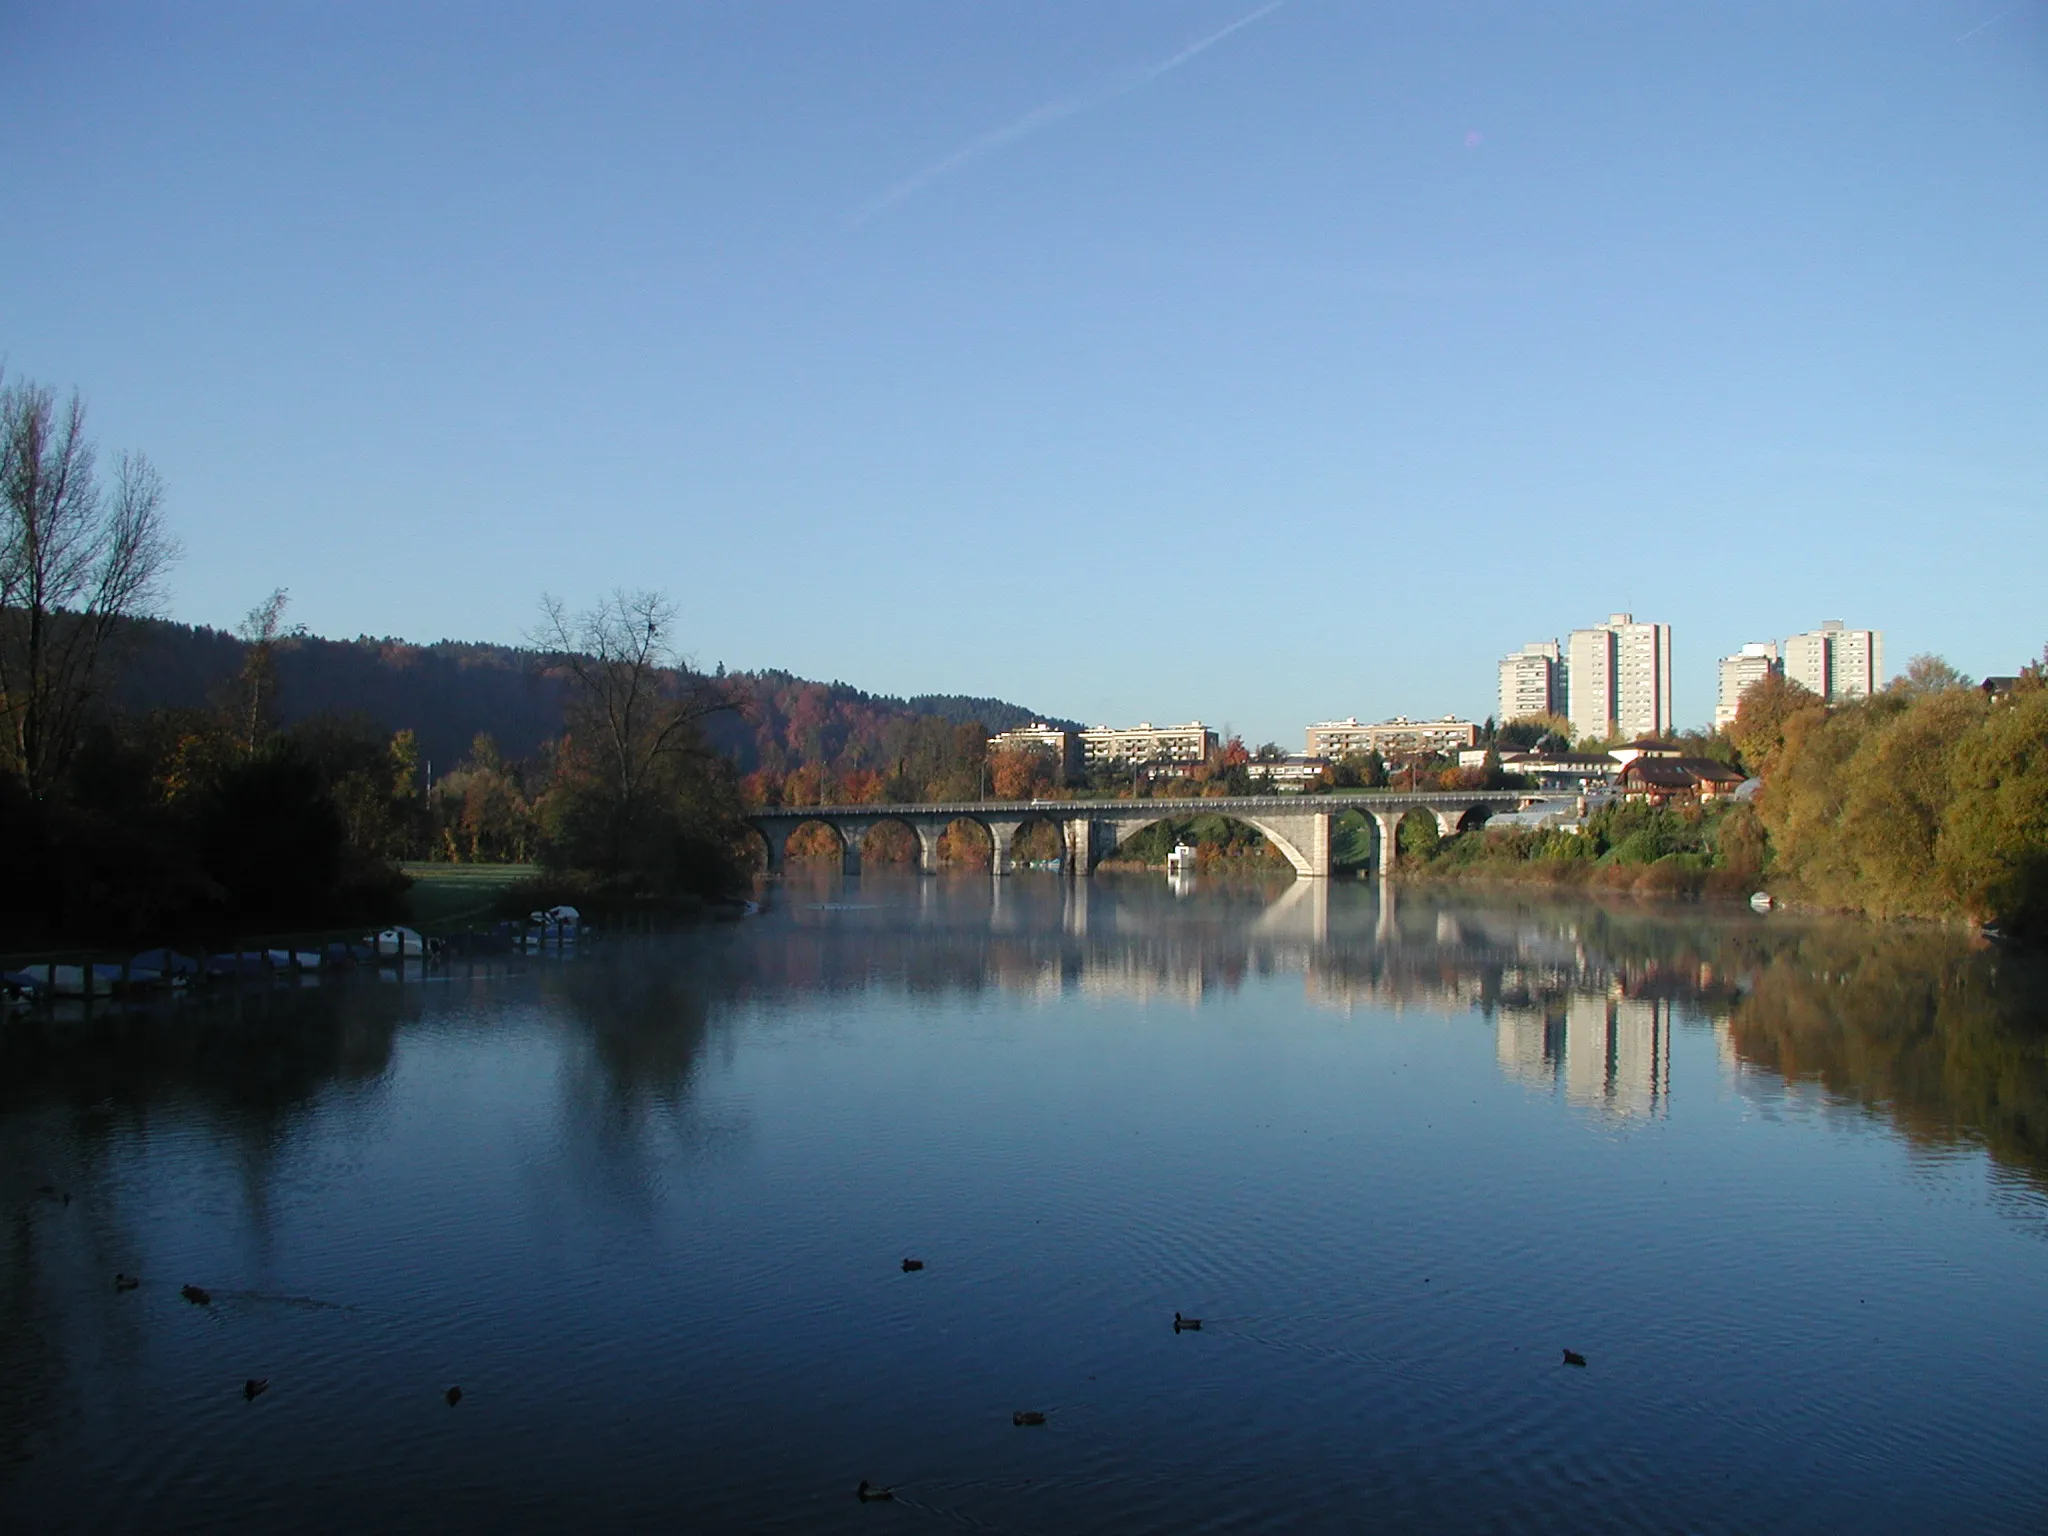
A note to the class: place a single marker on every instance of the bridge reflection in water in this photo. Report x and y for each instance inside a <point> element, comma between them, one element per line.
<point>1583,1000</point>
<point>1585,997</point>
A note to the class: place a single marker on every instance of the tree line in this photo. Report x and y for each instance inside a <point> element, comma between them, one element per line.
<point>218,818</point>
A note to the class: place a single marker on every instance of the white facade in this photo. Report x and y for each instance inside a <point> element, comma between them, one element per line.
<point>1739,673</point>
<point>1147,743</point>
<point>1532,682</point>
<point>1619,679</point>
<point>1399,736</point>
<point>1837,663</point>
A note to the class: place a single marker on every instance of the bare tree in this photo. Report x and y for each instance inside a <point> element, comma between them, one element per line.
<point>635,704</point>
<point>261,629</point>
<point>74,563</point>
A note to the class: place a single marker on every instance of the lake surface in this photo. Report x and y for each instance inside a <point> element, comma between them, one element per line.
<point>1781,1182</point>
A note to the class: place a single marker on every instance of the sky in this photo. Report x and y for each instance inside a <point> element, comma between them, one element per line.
<point>1160,360</point>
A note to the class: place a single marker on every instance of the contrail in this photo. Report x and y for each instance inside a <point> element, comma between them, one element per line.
<point>1053,112</point>
<point>1994,21</point>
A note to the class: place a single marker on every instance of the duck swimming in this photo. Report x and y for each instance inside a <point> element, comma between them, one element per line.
<point>125,1282</point>
<point>454,1396</point>
<point>911,1264</point>
<point>1573,1357</point>
<point>868,1493</point>
<point>255,1387</point>
<point>197,1295</point>
<point>1025,1416</point>
<point>1186,1324</point>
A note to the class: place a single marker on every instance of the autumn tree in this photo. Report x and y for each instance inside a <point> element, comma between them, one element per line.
<point>1927,673</point>
<point>1022,773</point>
<point>1762,717</point>
<point>1994,832</point>
<point>76,560</point>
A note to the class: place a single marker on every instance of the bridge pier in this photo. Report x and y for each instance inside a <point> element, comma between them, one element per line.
<point>928,835</point>
<point>1078,856</point>
<point>851,836</point>
<point>1002,834</point>
<point>1389,825</point>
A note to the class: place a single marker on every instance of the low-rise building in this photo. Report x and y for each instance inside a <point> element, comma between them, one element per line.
<point>1145,742</point>
<point>1063,744</point>
<point>1562,770</point>
<point>1291,774</point>
<point>1398,737</point>
<point>1662,779</point>
<point>1645,746</point>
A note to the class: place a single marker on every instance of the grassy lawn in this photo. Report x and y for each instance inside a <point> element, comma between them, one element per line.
<point>453,895</point>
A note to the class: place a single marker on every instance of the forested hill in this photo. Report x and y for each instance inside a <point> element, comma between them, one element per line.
<point>449,692</point>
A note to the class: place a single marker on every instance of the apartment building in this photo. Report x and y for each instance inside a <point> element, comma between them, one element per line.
<point>1836,662</point>
<point>1739,673</point>
<point>1398,737</point>
<point>1532,682</point>
<point>1618,678</point>
<point>1063,744</point>
<point>1147,743</point>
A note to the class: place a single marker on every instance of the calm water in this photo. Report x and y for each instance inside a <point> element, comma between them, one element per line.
<point>1782,1184</point>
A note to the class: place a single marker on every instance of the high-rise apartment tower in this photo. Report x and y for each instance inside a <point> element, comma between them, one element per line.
<point>1739,673</point>
<point>1835,662</point>
<point>1619,678</point>
<point>1532,682</point>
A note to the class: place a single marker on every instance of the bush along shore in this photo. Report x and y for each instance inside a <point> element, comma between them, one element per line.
<point>1682,851</point>
<point>1927,801</point>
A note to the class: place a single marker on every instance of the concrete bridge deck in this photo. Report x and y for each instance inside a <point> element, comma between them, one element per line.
<point>1091,830</point>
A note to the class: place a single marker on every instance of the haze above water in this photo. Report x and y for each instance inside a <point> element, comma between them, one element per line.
<point>1781,1182</point>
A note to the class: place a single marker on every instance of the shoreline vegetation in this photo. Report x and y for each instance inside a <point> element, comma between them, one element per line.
<point>1928,801</point>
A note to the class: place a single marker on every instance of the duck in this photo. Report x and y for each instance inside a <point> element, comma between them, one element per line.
<point>454,1396</point>
<point>868,1493</point>
<point>199,1296</point>
<point>1186,1324</point>
<point>912,1264</point>
<point>1573,1357</point>
<point>125,1282</point>
<point>1025,1416</point>
<point>255,1387</point>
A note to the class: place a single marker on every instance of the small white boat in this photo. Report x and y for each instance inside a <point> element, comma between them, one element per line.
<point>402,942</point>
<point>1181,861</point>
<point>1761,902</point>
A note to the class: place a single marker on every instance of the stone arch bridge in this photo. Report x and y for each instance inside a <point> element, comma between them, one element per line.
<point>1091,830</point>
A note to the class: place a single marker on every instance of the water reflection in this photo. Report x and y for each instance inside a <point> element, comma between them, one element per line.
<point>648,1205</point>
<point>1937,1032</point>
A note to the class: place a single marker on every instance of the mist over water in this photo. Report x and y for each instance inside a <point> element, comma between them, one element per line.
<point>1784,1183</point>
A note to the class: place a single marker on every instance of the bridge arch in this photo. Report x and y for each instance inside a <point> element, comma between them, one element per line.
<point>1300,859</point>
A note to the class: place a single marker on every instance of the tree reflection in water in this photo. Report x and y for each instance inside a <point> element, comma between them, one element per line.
<point>1945,1038</point>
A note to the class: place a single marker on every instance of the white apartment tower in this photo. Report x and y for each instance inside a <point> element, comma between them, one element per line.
<point>1739,673</point>
<point>1619,679</point>
<point>1837,663</point>
<point>1532,682</point>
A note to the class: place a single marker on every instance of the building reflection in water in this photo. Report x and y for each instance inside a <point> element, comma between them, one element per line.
<point>1609,1052</point>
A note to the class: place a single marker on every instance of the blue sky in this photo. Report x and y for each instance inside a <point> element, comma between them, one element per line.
<point>1042,351</point>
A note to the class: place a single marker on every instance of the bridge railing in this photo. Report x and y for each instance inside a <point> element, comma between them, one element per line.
<point>1340,800</point>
